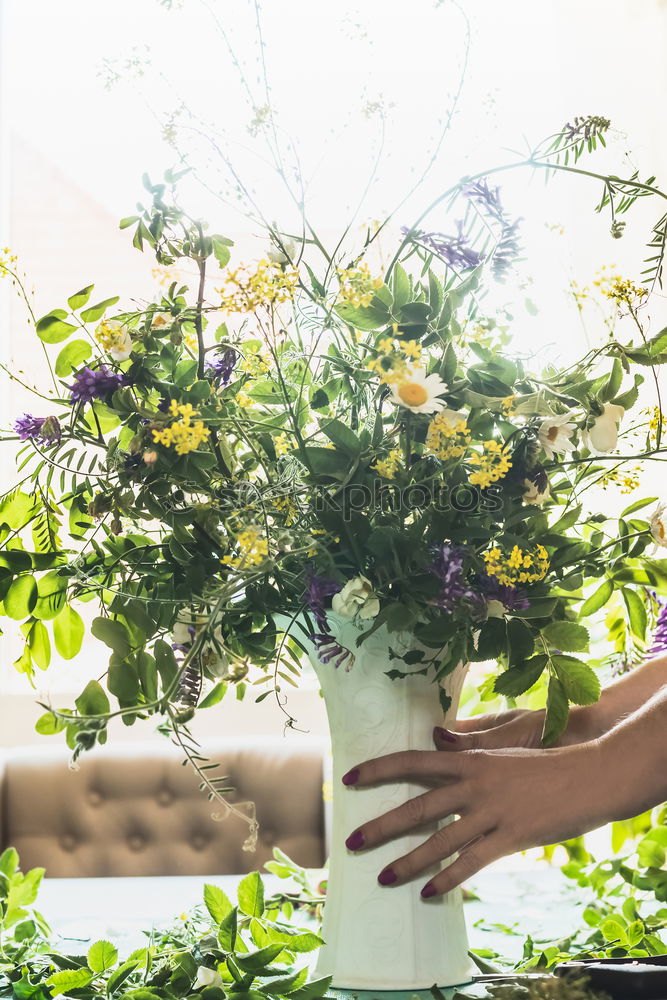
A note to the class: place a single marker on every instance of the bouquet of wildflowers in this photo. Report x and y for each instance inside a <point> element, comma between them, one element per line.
<point>271,447</point>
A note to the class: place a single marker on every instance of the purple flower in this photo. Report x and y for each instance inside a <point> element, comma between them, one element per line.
<point>448,568</point>
<point>659,645</point>
<point>507,247</point>
<point>163,404</point>
<point>99,383</point>
<point>222,366</point>
<point>318,589</point>
<point>45,430</point>
<point>454,250</point>
<point>328,649</point>
<point>512,598</point>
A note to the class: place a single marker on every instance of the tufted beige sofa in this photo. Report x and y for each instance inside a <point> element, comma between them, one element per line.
<point>134,809</point>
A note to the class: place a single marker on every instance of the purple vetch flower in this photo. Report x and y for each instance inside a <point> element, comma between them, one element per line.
<point>99,383</point>
<point>163,404</point>
<point>447,566</point>
<point>329,650</point>
<point>507,247</point>
<point>222,366</point>
<point>454,250</point>
<point>318,589</point>
<point>659,645</point>
<point>487,198</point>
<point>512,598</point>
<point>45,430</point>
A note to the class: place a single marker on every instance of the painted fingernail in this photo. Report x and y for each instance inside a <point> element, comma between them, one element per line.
<point>387,877</point>
<point>444,734</point>
<point>428,891</point>
<point>355,841</point>
<point>352,777</point>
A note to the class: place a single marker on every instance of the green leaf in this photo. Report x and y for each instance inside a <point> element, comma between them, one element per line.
<point>315,989</point>
<point>96,312</point>
<point>257,960</point>
<point>9,861</point>
<point>636,612</point>
<point>21,598</point>
<point>251,895</point>
<point>556,716</point>
<point>567,636</point>
<point>373,317</point>
<point>68,980</point>
<point>79,299</point>
<point>72,357</point>
<point>580,682</point>
<point>612,930</point>
<point>52,591</point>
<point>40,645</point>
<point>93,700</point>
<point>53,328</point>
<point>217,902</point>
<point>102,955</point>
<point>113,634</point>
<point>518,679</point>
<point>341,435</point>
<point>121,975</point>
<point>221,250</point>
<point>68,632</point>
<point>227,930</point>
<point>520,641</point>
<point>49,724</point>
<point>123,680</point>
<point>166,663</point>
<point>597,600</point>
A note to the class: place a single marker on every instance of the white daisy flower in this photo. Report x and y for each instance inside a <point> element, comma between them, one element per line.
<point>162,319</point>
<point>207,977</point>
<point>555,433</point>
<point>533,495</point>
<point>658,524</point>
<point>419,392</point>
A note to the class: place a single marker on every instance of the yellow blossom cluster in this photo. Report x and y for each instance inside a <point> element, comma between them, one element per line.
<point>281,443</point>
<point>507,405</point>
<point>246,291</point>
<point>657,422</point>
<point>447,437</point>
<point>8,259</point>
<point>253,549</point>
<point>356,286</point>
<point>395,358</point>
<point>622,291</point>
<point>626,481</point>
<point>287,507</point>
<point>110,334</point>
<point>183,435</point>
<point>493,464</point>
<point>389,466</point>
<point>520,566</point>
<point>243,400</point>
<point>255,364</point>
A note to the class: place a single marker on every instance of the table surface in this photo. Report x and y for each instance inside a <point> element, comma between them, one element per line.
<point>540,902</point>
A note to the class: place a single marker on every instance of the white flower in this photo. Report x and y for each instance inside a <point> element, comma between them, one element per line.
<point>162,319</point>
<point>282,253</point>
<point>603,435</point>
<point>207,977</point>
<point>533,495</point>
<point>122,347</point>
<point>419,392</point>
<point>555,433</point>
<point>658,524</point>
<point>356,598</point>
<point>114,338</point>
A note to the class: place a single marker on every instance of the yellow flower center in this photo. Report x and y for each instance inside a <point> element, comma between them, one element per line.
<point>412,393</point>
<point>552,433</point>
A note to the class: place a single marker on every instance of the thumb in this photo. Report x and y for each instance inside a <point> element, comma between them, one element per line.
<point>509,735</point>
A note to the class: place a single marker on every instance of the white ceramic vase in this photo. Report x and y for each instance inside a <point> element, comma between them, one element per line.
<point>383,938</point>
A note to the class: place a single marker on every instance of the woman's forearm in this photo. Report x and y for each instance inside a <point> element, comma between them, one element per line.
<point>629,693</point>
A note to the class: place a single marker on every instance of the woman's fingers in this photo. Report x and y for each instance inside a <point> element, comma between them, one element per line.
<point>421,766</point>
<point>441,845</point>
<point>477,855</point>
<point>521,731</point>
<point>479,722</point>
<point>413,814</point>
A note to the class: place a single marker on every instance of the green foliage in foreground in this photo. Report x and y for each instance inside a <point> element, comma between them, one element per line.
<point>243,951</point>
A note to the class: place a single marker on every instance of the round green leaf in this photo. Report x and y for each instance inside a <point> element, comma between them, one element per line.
<point>72,357</point>
<point>68,632</point>
<point>21,598</point>
<point>113,634</point>
<point>40,645</point>
<point>53,328</point>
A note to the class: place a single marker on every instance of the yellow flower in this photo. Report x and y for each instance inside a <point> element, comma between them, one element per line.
<point>115,338</point>
<point>521,566</point>
<point>243,399</point>
<point>626,481</point>
<point>253,550</point>
<point>386,345</point>
<point>448,435</point>
<point>493,464</point>
<point>268,285</point>
<point>255,364</point>
<point>287,507</point>
<point>356,286</point>
<point>281,443</point>
<point>183,435</point>
<point>8,259</point>
<point>411,349</point>
<point>507,405</point>
<point>389,466</point>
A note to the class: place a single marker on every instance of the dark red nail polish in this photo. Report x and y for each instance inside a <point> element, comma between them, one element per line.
<point>428,891</point>
<point>444,734</point>
<point>352,777</point>
<point>355,841</point>
<point>387,877</point>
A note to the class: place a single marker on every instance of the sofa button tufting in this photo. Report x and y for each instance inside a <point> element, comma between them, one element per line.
<point>199,841</point>
<point>136,842</point>
<point>68,842</point>
<point>95,797</point>
<point>268,836</point>
<point>165,797</point>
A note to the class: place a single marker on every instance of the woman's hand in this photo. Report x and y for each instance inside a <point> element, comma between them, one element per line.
<point>507,800</point>
<point>521,728</point>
